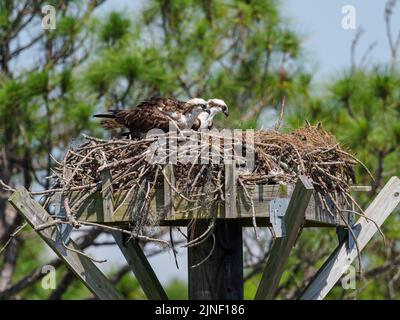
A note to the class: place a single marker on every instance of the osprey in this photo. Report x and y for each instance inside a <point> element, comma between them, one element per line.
<point>205,119</point>
<point>155,113</point>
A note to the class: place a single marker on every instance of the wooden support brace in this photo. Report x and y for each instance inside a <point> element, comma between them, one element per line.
<point>131,250</point>
<point>80,265</point>
<point>65,229</point>
<point>294,217</point>
<point>383,205</point>
<point>141,267</point>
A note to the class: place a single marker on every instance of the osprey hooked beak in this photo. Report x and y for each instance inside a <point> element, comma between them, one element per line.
<point>205,108</point>
<point>220,104</point>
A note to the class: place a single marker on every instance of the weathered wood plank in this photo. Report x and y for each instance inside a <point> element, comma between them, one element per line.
<point>131,250</point>
<point>220,277</point>
<point>294,217</point>
<point>230,190</point>
<point>107,193</point>
<point>360,188</point>
<point>262,195</point>
<point>383,205</point>
<point>65,229</point>
<point>80,265</point>
<point>168,190</point>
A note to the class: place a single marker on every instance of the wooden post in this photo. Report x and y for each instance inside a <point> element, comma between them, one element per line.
<point>383,205</point>
<point>219,276</point>
<point>80,265</point>
<point>294,217</point>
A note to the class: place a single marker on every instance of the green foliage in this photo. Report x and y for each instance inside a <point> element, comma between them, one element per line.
<point>250,287</point>
<point>128,286</point>
<point>243,52</point>
<point>67,26</point>
<point>177,290</point>
<point>361,108</point>
<point>114,29</point>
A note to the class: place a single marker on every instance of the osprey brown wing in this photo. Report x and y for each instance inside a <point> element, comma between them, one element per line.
<point>111,124</point>
<point>150,114</point>
<point>143,119</point>
<point>165,104</point>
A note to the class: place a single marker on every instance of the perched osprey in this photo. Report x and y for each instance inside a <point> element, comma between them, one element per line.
<point>205,119</point>
<point>155,113</point>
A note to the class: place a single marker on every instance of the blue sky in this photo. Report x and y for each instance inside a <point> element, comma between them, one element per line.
<point>327,44</point>
<point>327,52</point>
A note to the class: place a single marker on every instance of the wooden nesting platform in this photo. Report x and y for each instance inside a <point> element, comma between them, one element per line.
<point>178,212</point>
<point>220,276</point>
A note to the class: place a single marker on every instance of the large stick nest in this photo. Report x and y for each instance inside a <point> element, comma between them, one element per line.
<point>279,159</point>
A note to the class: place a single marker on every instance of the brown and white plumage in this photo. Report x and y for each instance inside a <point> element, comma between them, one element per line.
<point>155,113</point>
<point>205,119</point>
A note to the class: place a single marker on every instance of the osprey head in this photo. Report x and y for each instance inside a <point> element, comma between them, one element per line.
<point>219,105</point>
<point>198,105</point>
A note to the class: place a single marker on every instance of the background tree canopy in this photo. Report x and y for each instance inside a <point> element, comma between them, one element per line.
<point>246,52</point>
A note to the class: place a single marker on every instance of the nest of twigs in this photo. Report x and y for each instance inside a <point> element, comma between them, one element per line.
<point>279,158</point>
<point>138,167</point>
